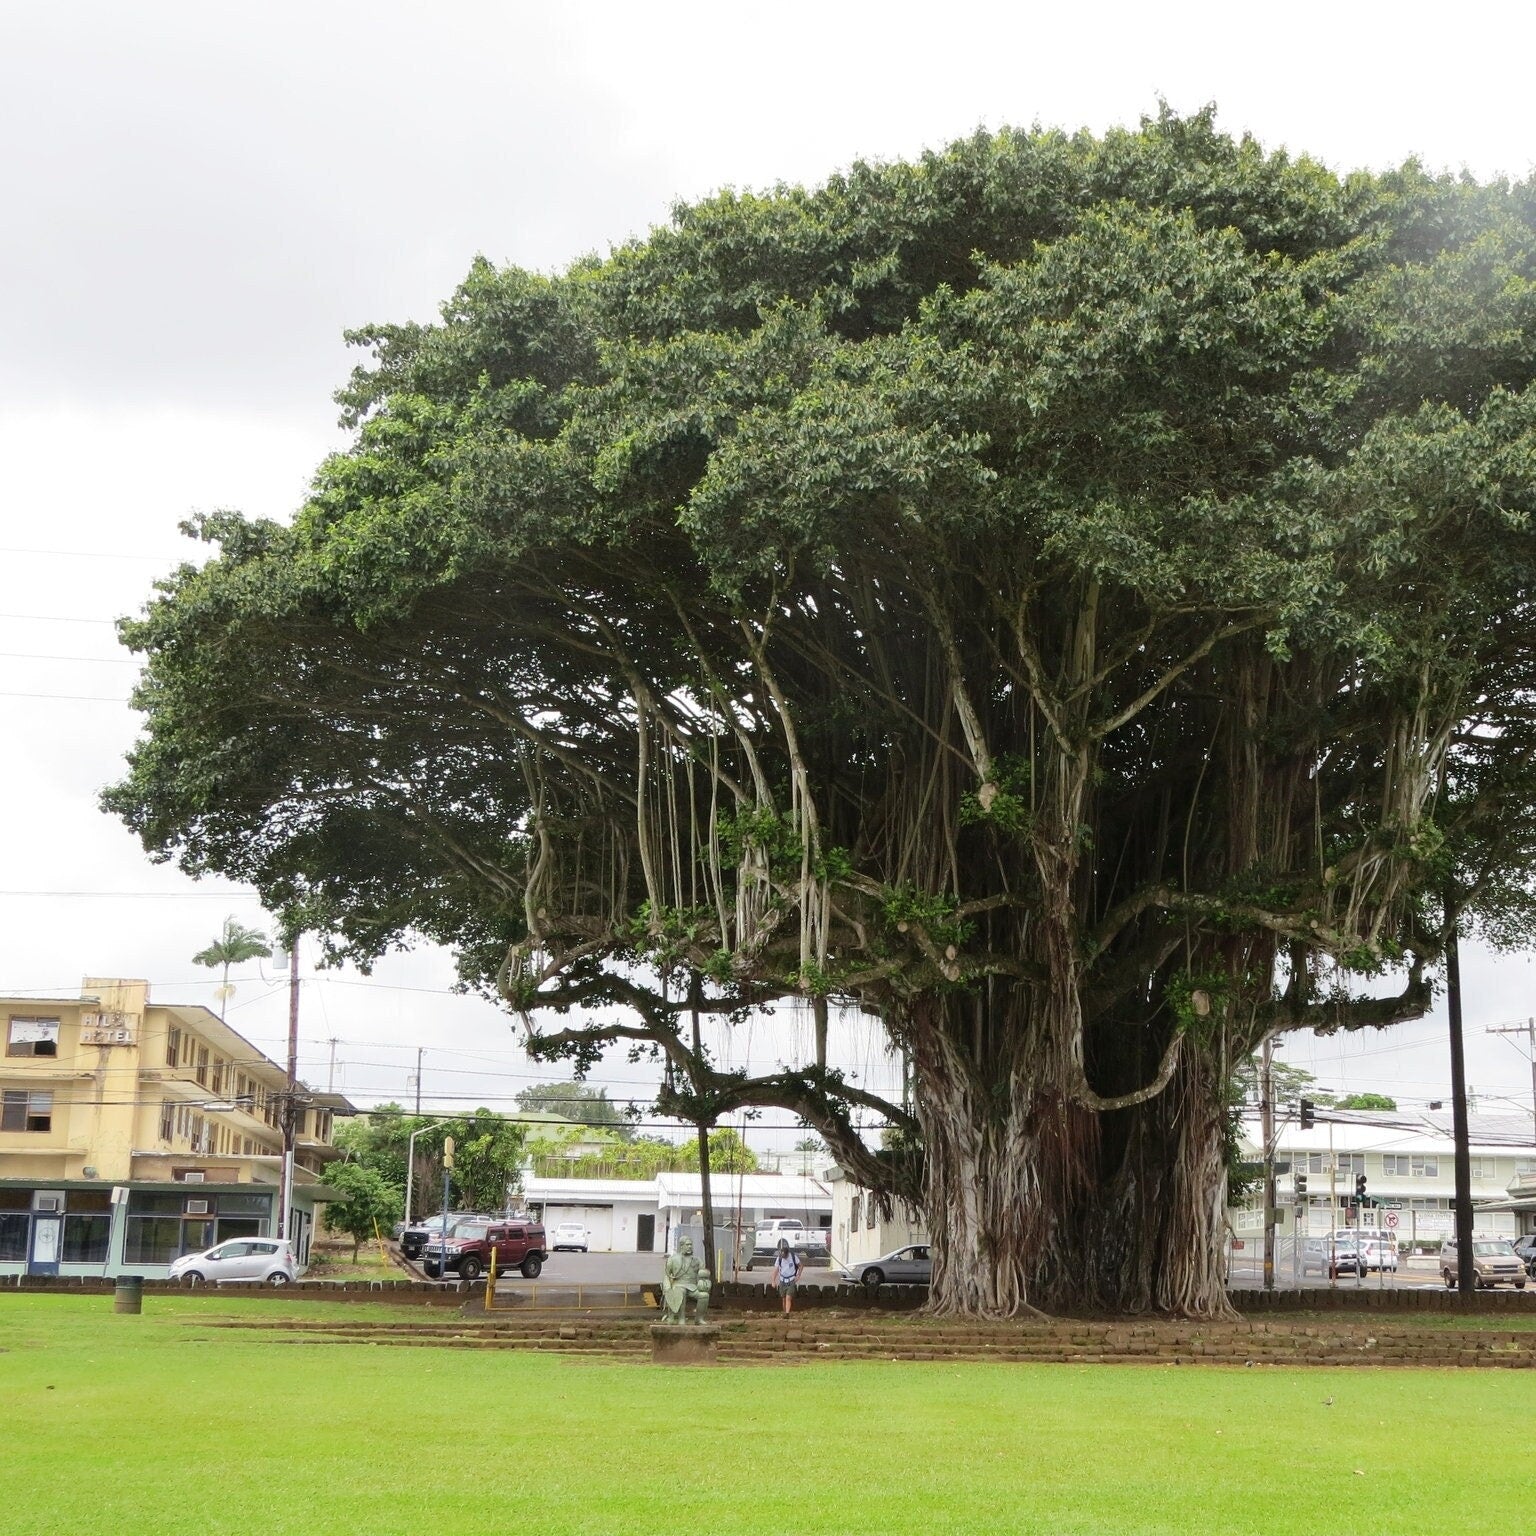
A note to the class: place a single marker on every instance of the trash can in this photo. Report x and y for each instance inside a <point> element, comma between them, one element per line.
<point>128,1295</point>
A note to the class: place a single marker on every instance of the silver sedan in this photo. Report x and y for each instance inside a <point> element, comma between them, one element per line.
<point>912,1265</point>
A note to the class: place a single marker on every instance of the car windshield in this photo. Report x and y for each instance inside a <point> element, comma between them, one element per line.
<point>472,1229</point>
<point>1491,1250</point>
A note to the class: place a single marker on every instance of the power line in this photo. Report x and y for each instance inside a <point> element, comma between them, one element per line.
<point>78,698</point>
<point>85,554</point>
<point>137,895</point>
<point>57,618</point>
<point>103,661</point>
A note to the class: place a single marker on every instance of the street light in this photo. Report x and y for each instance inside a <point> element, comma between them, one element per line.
<point>410,1161</point>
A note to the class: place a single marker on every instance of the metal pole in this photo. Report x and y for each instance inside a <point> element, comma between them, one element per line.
<point>1333,1211</point>
<point>420,1052</point>
<point>410,1160</point>
<point>1267,1120</point>
<point>290,1098</point>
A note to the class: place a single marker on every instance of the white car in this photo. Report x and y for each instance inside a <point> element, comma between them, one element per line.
<point>568,1235</point>
<point>252,1260</point>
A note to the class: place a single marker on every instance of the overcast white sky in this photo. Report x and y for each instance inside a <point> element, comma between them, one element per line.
<point>196,200</point>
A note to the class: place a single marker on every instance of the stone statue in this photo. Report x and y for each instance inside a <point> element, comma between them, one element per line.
<point>681,1277</point>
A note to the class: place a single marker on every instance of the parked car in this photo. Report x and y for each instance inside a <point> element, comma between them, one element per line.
<point>414,1238</point>
<point>1493,1262</point>
<point>568,1235</point>
<point>912,1265</point>
<point>1380,1252</point>
<point>248,1260</point>
<point>1525,1251</point>
<point>1334,1255</point>
<point>468,1248</point>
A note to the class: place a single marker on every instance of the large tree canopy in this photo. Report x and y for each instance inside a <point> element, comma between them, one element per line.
<point>1035,593</point>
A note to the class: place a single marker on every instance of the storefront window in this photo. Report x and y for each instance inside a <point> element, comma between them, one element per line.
<point>86,1235</point>
<point>14,1227</point>
<point>245,1205</point>
<point>153,1240</point>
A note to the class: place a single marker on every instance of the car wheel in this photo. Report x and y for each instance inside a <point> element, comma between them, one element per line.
<point>1519,1285</point>
<point>193,1277</point>
<point>279,1277</point>
<point>470,1268</point>
<point>1450,1280</point>
<point>533,1267</point>
<point>431,1271</point>
<point>873,1279</point>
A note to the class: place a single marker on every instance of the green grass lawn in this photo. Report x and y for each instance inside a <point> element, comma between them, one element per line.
<point>157,1426</point>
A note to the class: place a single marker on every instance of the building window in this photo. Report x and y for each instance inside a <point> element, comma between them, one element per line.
<point>26,1111</point>
<point>869,1219</point>
<point>33,1037</point>
<point>854,1213</point>
<point>87,1227</point>
<point>1351,1163</point>
<point>173,1047</point>
<point>15,1228</point>
<point>200,1071</point>
<point>167,1120</point>
<point>218,1075</point>
<point>157,1232</point>
<point>85,1239</point>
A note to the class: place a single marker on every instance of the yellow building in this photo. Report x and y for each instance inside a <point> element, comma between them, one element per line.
<point>108,1098</point>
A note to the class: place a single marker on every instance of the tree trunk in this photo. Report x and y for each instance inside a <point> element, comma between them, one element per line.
<point>1158,1232</point>
<point>1008,1157</point>
<point>1035,1201</point>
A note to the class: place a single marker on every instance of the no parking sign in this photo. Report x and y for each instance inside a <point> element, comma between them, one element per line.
<point>1390,1217</point>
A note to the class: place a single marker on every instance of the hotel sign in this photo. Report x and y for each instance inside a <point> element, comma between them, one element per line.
<point>109,1028</point>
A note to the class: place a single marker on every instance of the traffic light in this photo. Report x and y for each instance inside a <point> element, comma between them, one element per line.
<point>1359,1186</point>
<point>1301,1186</point>
<point>1308,1119</point>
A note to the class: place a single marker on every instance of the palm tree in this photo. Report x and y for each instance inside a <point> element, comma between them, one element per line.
<point>234,944</point>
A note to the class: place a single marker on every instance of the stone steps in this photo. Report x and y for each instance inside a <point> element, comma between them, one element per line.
<point>761,1340</point>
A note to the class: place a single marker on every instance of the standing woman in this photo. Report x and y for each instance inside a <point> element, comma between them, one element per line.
<point>786,1270</point>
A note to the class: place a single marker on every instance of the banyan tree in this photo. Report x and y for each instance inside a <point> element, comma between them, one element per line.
<point>1035,594</point>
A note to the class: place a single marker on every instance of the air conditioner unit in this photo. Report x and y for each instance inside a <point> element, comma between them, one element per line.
<point>199,1207</point>
<point>48,1202</point>
<point>194,1178</point>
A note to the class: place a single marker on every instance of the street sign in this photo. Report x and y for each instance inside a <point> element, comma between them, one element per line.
<point>1390,1217</point>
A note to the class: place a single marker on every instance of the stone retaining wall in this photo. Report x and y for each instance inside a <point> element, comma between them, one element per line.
<point>401,1292</point>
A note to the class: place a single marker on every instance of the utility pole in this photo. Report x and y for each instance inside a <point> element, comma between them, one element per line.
<point>421,1051</point>
<point>1267,1120</point>
<point>330,1076</point>
<point>1466,1272</point>
<point>290,1098</point>
<point>1528,1029</point>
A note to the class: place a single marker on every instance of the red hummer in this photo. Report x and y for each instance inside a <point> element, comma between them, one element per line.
<point>517,1244</point>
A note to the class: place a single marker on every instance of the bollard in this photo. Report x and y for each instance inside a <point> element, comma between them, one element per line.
<point>128,1294</point>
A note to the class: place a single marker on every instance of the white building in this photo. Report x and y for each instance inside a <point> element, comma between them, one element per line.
<point>864,1227</point>
<point>619,1214</point>
<point>645,1215</point>
<point>1407,1159</point>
